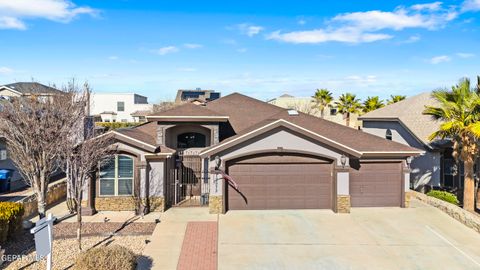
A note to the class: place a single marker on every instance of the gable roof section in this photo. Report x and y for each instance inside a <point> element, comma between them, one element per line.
<point>348,140</point>
<point>188,112</point>
<point>243,111</point>
<point>142,136</point>
<point>409,112</point>
<point>27,88</point>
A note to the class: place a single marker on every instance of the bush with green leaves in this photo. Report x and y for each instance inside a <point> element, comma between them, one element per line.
<point>116,125</point>
<point>11,214</point>
<point>444,196</point>
<point>106,258</point>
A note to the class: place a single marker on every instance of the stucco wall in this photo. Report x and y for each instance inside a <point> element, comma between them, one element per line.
<point>425,168</point>
<point>156,175</point>
<point>271,140</point>
<point>101,102</point>
<point>173,132</point>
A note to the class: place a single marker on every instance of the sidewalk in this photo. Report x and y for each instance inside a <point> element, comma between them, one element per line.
<point>167,239</point>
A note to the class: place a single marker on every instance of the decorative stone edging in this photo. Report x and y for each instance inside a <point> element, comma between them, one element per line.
<point>470,220</point>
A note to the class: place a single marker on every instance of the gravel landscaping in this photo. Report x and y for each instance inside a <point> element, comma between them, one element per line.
<point>132,235</point>
<point>65,251</point>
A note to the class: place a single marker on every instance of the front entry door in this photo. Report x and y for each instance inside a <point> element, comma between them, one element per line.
<point>187,185</point>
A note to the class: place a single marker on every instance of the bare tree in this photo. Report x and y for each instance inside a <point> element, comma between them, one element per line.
<point>304,107</point>
<point>83,154</point>
<point>163,106</point>
<point>35,128</point>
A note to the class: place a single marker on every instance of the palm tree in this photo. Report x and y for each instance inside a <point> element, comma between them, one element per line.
<point>395,99</point>
<point>347,104</point>
<point>322,99</point>
<point>459,109</point>
<point>372,103</point>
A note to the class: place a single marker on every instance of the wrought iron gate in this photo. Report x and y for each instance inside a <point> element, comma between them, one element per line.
<point>187,182</point>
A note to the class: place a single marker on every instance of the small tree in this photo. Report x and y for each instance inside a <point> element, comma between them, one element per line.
<point>35,129</point>
<point>322,99</point>
<point>83,153</point>
<point>372,103</point>
<point>348,104</point>
<point>163,106</point>
<point>395,99</point>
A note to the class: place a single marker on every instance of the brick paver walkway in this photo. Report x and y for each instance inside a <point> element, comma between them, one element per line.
<point>199,248</point>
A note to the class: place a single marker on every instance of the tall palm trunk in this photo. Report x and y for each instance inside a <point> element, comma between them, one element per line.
<point>469,186</point>
<point>322,113</point>
<point>347,119</point>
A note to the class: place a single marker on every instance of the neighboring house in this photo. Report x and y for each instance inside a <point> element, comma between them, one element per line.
<point>118,107</point>
<point>306,105</point>
<point>13,90</point>
<point>19,89</point>
<point>405,123</point>
<point>197,96</point>
<point>238,153</point>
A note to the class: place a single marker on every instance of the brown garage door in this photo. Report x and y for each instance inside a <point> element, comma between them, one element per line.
<point>280,186</point>
<point>376,184</point>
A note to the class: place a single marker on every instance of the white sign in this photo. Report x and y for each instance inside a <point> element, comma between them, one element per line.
<point>43,232</point>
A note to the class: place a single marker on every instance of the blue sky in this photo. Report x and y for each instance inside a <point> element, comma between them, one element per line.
<point>259,48</point>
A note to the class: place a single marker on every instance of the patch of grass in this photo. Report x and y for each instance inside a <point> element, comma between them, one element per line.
<point>106,258</point>
<point>444,196</point>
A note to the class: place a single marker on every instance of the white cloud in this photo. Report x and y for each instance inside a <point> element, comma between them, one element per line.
<point>471,5</point>
<point>412,39</point>
<point>465,55</point>
<point>166,50</point>
<point>5,70</point>
<point>11,23</point>
<point>113,57</point>
<point>192,45</point>
<point>360,27</point>
<point>249,29</point>
<point>440,59</point>
<point>347,35</point>
<point>13,13</point>
<point>242,50</point>
<point>302,22</point>
<point>361,80</point>
<point>429,6</point>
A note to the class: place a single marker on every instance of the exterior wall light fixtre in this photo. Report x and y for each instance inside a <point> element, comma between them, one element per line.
<point>343,160</point>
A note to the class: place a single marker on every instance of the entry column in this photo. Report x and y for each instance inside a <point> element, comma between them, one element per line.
<point>342,189</point>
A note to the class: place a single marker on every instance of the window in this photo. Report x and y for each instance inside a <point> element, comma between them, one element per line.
<point>191,139</point>
<point>124,121</point>
<point>388,134</point>
<point>120,106</point>
<point>3,154</point>
<point>116,176</point>
<point>333,111</point>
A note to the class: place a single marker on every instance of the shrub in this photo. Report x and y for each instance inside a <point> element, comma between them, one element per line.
<point>444,196</point>
<point>11,214</point>
<point>106,258</point>
<point>116,125</point>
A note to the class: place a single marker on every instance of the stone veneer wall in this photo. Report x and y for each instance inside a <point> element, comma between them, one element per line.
<point>57,192</point>
<point>343,204</point>
<point>215,204</point>
<point>126,203</point>
<point>157,204</point>
<point>408,198</point>
<point>470,220</point>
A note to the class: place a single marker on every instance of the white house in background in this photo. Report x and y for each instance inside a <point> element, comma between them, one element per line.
<point>119,107</point>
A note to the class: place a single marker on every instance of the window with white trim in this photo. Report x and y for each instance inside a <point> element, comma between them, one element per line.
<point>3,154</point>
<point>116,176</point>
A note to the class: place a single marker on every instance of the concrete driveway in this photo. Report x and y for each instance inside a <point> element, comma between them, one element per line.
<point>421,237</point>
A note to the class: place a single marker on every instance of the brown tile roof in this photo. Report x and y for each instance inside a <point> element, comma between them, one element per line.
<point>243,111</point>
<point>145,133</point>
<point>248,114</point>
<point>187,109</point>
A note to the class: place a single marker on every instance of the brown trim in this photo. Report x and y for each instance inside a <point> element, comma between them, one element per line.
<point>279,151</point>
<point>132,141</point>
<point>187,119</point>
<point>279,123</point>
